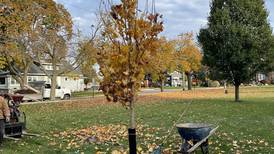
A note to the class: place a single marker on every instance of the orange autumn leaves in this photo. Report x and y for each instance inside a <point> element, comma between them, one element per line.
<point>111,136</point>
<point>189,55</point>
<point>163,60</point>
<point>130,41</point>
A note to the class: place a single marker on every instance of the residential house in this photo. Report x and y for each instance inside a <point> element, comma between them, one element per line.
<point>176,79</point>
<point>173,79</point>
<point>265,77</point>
<point>73,80</point>
<point>270,76</point>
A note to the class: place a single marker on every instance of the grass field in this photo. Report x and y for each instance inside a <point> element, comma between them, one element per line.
<point>245,127</point>
<point>88,93</point>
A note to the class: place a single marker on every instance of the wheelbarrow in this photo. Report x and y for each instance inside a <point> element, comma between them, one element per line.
<point>195,135</point>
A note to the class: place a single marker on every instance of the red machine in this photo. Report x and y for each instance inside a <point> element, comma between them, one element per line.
<point>17,123</point>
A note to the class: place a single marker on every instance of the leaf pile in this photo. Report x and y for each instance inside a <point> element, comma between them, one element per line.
<point>113,138</point>
<point>107,135</point>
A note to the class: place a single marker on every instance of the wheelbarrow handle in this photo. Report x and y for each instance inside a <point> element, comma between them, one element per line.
<point>203,140</point>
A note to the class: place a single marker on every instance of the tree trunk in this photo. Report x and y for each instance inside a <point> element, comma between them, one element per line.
<point>237,92</point>
<point>20,80</point>
<point>183,80</point>
<point>189,81</point>
<point>53,76</point>
<point>25,78</point>
<point>132,129</point>
<point>132,123</point>
<point>22,84</point>
<point>53,80</point>
<point>53,86</point>
<point>162,85</point>
<point>225,87</point>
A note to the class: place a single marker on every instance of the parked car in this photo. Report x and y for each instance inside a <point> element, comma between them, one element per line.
<point>61,93</point>
<point>30,95</point>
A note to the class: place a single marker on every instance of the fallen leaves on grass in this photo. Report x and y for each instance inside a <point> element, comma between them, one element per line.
<point>113,139</point>
<point>195,94</point>
<point>246,92</point>
<point>247,143</point>
<point>114,136</point>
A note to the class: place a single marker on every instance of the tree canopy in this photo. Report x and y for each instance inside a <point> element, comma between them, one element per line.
<point>163,61</point>
<point>131,40</point>
<point>87,53</point>
<point>188,56</point>
<point>237,41</point>
<point>23,27</point>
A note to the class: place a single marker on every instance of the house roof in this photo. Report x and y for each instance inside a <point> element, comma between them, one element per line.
<point>4,73</point>
<point>35,70</point>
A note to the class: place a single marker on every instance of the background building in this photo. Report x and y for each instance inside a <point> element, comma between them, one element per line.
<point>72,80</point>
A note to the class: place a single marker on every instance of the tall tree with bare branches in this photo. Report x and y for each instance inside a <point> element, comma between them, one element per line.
<point>54,41</point>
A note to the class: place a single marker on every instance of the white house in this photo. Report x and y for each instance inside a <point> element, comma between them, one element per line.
<point>268,77</point>
<point>176,79</point>
<point>73,80</point>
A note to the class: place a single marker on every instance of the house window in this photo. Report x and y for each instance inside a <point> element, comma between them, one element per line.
<point>48,67</point>
<point>34,78</point>
<point>13,81</point>
<point>2,81</point>
<point>29,79</point>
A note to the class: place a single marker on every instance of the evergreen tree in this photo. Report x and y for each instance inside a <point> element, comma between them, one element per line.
<point>238,41</point>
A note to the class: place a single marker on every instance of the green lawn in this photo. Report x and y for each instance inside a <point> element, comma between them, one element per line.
<point>88,93</point>
<point>246,127</point>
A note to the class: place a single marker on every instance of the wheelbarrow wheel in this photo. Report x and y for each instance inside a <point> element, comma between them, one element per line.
<point>185,147</point>
<point>66,97</point>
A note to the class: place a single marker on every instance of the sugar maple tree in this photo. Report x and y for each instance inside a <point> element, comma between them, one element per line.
<point>22,23</point>
<point>188,56</point>
<point>18,20</point>
<point>12,24</point>
<point>130,41</point>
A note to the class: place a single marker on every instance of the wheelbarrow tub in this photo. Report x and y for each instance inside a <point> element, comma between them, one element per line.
<point>193,131</point>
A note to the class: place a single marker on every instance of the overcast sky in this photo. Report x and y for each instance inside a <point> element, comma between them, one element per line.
<point>180,16</point>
